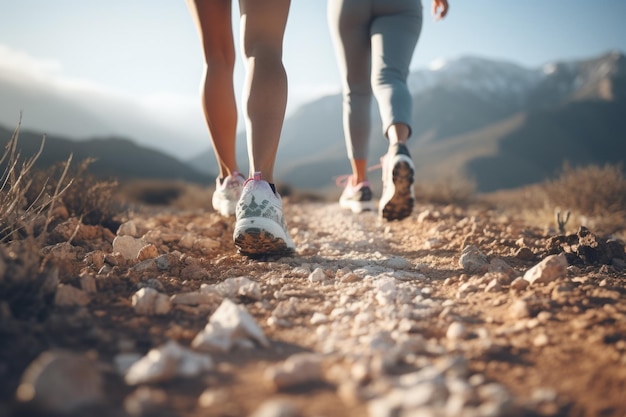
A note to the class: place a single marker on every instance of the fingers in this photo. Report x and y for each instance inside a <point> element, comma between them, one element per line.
<point>440,9</point>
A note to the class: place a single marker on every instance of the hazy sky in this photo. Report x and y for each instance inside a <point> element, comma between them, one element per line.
<point>148,50</point>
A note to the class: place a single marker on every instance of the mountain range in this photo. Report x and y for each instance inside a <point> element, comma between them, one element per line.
<point>501,124</point>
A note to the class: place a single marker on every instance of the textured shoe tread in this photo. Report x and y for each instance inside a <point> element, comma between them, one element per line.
<point>258,241</point>
<point>400,205</point>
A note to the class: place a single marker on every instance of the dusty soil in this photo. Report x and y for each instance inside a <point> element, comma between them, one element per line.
<point>557,348</point>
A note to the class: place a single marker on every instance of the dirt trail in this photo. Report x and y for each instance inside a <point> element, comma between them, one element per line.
<point>396,318</point>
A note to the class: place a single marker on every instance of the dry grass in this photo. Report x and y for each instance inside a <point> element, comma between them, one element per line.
<point>595,197</point>
<point>25,207</point>
<point>32,203</point>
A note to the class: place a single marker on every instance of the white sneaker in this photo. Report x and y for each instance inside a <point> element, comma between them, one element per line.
<point>357,198</point>
<point>260,228</point>
<point>398,197</point>
<point>227,193</point>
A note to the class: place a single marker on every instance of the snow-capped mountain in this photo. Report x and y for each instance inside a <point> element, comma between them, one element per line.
<point>498,122</point>
<point>488,79</point>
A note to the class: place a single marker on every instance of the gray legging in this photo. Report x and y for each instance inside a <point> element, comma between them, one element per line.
<point>374,41</point>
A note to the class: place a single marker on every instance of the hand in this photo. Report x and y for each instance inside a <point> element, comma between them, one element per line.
<point>440,9</point>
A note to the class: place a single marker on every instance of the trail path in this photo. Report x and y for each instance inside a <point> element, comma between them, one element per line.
<point>368,318</point>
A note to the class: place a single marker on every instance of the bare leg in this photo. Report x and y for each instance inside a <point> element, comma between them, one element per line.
<point>265,90</point>
<point>213,21</point>
<point>398,133</point>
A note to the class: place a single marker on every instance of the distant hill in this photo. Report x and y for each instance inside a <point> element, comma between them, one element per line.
<point>114,157</point>
<point>499,123</point>
<point>496,122</point>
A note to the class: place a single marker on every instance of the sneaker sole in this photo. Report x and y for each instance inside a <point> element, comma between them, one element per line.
<point>400,205</point>
<point>357,206</point>
<point>260,236</point>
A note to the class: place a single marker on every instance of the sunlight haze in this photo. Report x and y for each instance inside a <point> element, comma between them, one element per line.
<point>146,53</point>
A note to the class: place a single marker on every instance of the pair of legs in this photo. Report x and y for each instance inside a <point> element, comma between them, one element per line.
<point>265,89</point>
<point>374,42</point>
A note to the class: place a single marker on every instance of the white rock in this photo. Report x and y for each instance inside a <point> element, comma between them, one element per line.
<point>150,302</point>
<point>195,298</point>
<point>456,331</point>
<point>472,260</point>
<point>128,228</point>
<point>277,408</point>
<point>61,382</point>
<point>234,287</point>
<point>541,340</point>
<point>168,361</point>
<point>319,318</point>
<point>317,275</point>
<point>551,268</point>
<point>298,369</point>
<point>398,262</point>
<point>519,309</point>
<point>229,325</point>
<point>128,246</point>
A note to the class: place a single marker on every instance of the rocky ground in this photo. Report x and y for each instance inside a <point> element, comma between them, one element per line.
<point>451,312</point>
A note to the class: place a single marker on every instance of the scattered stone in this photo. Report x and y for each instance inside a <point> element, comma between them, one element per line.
<point>551,268</point>
<point>298,369</point>
<point>230,325</point>
<point>319,318</point>
<point>145,401</point>
<point>128,246</point>
<point>317,275</point>
<point>277,408</point>
<point>166,362</point>
<point>150,302</point>
<point>456,331</point>
<point>211,397</point>
<point>88,283</point>
<point>61,382</point>
<point>519,309</point>
<point>128,228</point>
<point>147,252</point>
<point>473,261</point>
<point>519,284</point>
<point>69,296</point>
<point>195,298</point>
<point>234,287</point>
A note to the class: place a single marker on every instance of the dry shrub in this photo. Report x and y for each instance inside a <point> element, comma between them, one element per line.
<point>453,189</point>
<point>595,197</point>
<point>85,197</point>
<point>595,194</point>
<point>24,201</point>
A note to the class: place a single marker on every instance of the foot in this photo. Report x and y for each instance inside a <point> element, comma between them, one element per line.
<point>398,197</point>
<point>357,198</point>
<point>227,193</point>
<point>260,228</point>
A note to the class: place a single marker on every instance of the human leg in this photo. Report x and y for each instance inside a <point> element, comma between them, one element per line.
<point>213,22</point>
<point>394,37</point>
<point>348,22</point>
<point>265,90</point>
<point>260,228</point>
